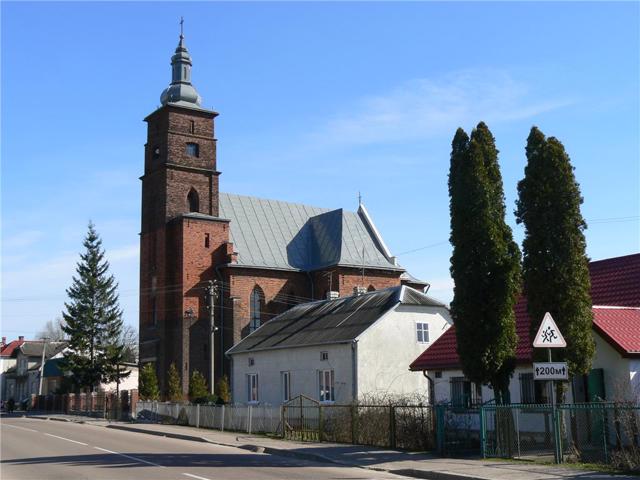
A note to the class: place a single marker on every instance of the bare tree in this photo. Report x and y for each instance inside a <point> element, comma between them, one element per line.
<point>52,331</point>
<point>129,338</point>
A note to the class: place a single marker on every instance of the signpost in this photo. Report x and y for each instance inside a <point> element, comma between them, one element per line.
<point>549,337</point>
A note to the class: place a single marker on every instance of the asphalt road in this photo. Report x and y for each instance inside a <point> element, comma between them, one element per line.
<point>40,449</point>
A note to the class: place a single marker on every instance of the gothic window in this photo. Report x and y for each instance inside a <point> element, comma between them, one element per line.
<point>156,153</point>
<point>193,150</point>
<point>193,126</point>
<point>256,306</point>
<point>193,201</point>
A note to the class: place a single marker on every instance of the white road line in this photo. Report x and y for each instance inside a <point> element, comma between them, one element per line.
<point>195,476</point>
<point>67,439</point>
<point>131,458</point>
<point>21,428</point>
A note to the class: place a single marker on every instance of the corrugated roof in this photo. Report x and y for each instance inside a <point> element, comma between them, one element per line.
<point>292,236</point>
<point>620,327</point>
<point>612,280</point>
<point>329,321</point>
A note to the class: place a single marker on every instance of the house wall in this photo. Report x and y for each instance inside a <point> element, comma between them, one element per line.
<point>303,364</point>
<point>129,383</point>
<point>5,364</point>
<point>634,378</point>
<point>616,369</point>
<point>386,349</point>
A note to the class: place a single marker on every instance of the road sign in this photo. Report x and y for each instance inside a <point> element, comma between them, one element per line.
<point>549,335</point>
<point>550,371</point>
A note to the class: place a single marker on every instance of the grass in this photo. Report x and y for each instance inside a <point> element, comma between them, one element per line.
<point>595,467</point>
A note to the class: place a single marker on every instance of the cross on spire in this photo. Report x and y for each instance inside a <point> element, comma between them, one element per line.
<point>181,27</point>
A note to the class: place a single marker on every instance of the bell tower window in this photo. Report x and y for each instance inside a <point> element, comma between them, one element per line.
<point>193,150</point>
<point>156,153</point>
<point>193,201</point>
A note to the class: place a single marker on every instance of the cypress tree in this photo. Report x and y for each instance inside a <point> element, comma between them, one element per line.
<point>555,264</point>
<point>148,383</point>
<point>485,264</point>
<point>93,320</point>
<point>174,386</point>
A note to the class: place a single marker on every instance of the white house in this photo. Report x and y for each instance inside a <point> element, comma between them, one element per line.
<point>339,350</point>
<point>615,373</point>
<point>8,362</point>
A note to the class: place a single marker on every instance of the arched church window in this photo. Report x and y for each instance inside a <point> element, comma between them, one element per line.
<point>156,153</point>
<point>193,201</point>
<point>256,305</point>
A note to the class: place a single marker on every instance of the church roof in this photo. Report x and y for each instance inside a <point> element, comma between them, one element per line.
<point>341,320</point>
<point>293,236</point>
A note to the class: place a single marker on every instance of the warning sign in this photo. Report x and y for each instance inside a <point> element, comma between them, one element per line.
<point>549,335</point>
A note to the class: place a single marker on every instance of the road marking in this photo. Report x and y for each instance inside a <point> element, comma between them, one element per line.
<point>131,458</point>
<point>195,476</point>
<point>21,428</point>
<point>67,439</point>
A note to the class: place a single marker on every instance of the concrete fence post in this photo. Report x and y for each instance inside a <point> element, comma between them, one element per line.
<point>198,415</point>
<point>222,420</point>
<point>249,419</point>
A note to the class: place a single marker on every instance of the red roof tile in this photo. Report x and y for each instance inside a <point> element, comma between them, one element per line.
<point>620,327</point>
<point>8,350</point>
<point>616,281</point>
<point>612,280</point>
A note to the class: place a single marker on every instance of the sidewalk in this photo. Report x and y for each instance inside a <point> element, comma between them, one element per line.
<point>416,465</point>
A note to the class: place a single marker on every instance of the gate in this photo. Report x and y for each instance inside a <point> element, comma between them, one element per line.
<point>458,430</point>
<point>301,419</point>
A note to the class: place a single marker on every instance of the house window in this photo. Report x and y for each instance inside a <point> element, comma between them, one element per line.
<point>324,356</point>
<point>206,240</point>
<point>286,386</point>
<point>252,387</point>
<point>193,150</point>
<point>422,330</point>
<point>193,201</point>
<point>439,374</point>
<point>252,362</point>
<point>256,304</point>
<point>533,391</point>
<point>464,393</point>
<point>326,383</point>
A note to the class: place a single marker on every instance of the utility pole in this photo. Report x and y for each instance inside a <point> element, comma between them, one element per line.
<point>212,294</point>
<point>44,348</point>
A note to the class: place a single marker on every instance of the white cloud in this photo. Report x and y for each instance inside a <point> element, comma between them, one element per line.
<point>426,107</point>
<point>128,252</point>
<point>22,239</point>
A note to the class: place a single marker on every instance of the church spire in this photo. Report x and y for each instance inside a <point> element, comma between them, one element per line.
<point>181,91</point>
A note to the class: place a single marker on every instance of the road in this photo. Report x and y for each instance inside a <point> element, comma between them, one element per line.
<point>40,449</point>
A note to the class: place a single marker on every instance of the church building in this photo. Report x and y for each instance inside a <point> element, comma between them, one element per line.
<point>214,266</point>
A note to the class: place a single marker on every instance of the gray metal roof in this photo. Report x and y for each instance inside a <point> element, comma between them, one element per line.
<point>292,236</point>
<point>329,321</point>
<point>34,348</point>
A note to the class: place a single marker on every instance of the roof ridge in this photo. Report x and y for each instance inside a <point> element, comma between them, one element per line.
<point>281,201</point>
<point>615,307</point>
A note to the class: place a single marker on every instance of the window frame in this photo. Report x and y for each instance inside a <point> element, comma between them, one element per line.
<point>192,149</point>
<point>256,303</point>
<point>325,390</point>
<point>285,385</point>
<point>468,394</point>
<point>251,388</point>
<point>422,328</point>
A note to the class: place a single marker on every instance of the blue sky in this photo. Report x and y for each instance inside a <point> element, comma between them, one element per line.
<point>317,101</point>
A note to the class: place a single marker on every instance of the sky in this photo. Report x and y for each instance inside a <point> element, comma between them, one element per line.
<point>317,102</point>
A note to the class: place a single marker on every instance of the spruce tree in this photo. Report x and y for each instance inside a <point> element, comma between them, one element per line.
<point>148,383</point>
<point>197,387</point>
<point>555,264</point>
<point>485,264</point>
<point>93,320</point>
<point>174,385</point>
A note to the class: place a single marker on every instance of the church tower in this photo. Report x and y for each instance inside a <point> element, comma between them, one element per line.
<point>181,235</point>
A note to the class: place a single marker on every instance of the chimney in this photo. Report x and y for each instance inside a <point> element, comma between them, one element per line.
<point>332,295</point>
<point>359,290</point>
<point>4,341</point>
<point>21,338</point>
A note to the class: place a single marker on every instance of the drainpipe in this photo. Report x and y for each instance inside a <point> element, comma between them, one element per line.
<point>219,275</point>
<point>311,283</point>
<point>432,390</point>
<point>354,370</point>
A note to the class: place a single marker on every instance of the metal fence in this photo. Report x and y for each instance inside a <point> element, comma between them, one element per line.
<point>590,432</point>
<point>237,418</point>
